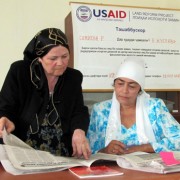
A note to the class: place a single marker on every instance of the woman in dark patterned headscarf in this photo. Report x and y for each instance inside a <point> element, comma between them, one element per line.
<point>41,100</point>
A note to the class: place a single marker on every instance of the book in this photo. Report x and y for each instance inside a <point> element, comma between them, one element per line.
<point>94,172</point>
<point>25,159</point>
<point>149,162</point>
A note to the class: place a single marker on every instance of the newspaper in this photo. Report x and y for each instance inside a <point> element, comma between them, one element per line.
<point>28,160</point>
<point>19,158</point>
<point>148,162</point>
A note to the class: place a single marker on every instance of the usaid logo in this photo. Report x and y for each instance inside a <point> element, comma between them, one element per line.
<point>83,13</point>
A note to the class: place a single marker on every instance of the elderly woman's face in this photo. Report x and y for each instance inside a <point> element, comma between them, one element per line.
<point>126,91</point>
<point>55,61</point>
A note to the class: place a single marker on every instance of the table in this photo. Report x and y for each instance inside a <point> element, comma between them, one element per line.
<point>66,175</point>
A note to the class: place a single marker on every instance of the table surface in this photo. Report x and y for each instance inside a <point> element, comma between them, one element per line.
<point>66,175</point>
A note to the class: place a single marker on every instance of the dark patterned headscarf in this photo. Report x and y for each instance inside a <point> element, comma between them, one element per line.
<point>39,46</point>
<point>43,41</point>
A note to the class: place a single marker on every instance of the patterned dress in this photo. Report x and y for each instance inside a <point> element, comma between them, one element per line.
<point>166,129</point>
<point>48,137</point>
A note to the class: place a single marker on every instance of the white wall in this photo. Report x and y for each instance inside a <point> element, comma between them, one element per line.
<point>20,20</point>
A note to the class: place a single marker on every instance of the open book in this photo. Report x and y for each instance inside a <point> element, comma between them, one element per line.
<point>25,159</point>
<point>148,162</point>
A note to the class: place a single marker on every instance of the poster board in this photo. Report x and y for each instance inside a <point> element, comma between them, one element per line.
<point>104,35</point>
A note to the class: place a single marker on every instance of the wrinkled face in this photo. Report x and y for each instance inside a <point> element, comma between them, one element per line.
<point>55,61</point>
<point>126,91</point>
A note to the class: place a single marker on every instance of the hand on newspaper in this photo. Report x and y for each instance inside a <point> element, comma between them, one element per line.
<point>114,147</point>
<point>139,148</point>
<point>80,144</point>
<point>7,124</point>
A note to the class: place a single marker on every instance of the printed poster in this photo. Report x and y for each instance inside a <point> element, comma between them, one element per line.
<point>105,35</point>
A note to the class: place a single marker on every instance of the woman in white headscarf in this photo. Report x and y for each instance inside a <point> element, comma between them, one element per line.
<point>132,121</point>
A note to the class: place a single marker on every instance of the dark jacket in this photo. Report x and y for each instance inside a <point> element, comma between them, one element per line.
<point>20,101</point>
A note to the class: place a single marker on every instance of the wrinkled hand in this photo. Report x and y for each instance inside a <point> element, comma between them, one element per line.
<point>143,148</point>
<point>132,149</point>
<point>80,144</point>
<point>7,124</point>
<point>114,147</point>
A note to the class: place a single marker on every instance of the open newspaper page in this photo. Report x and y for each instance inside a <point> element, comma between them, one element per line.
<point>96,157</point>
<point>147,162</point>
<point>10,139</point>
<point>25,158</point>
<point>22,158</point>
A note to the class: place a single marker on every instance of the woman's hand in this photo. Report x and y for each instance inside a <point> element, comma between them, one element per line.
<point>7,124</point>
<point>142,148</point>
<point>80,144</point>
<point>114,147</point>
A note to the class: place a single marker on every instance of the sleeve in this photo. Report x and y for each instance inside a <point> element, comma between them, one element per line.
<point>97,129</point>
<point>80,114</point>
<point>9,96</point>
<point>166,129</point>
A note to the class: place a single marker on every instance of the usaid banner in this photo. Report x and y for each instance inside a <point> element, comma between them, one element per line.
<point>104,35</point>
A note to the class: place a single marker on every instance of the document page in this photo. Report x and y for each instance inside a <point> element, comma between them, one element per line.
<point>10,139</point>
<point>150,162</point>
<point>24,157</point>
<point>95,157</point>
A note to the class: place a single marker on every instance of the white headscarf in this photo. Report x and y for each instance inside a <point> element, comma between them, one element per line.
<point>134,69</point>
